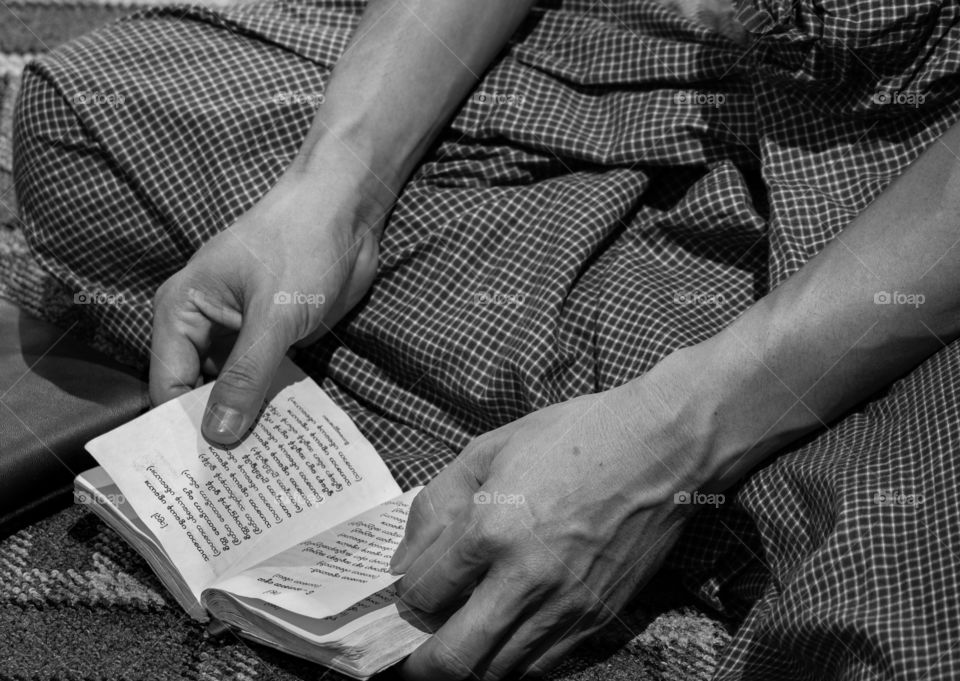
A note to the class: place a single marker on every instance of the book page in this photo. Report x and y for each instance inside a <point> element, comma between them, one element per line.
<point>333,570</point>
<point>304,467</point>
<point>96,490</point>
<point>229,607</point>
<point>359,642</point>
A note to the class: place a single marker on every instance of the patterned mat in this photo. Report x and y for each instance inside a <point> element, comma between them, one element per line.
<point>75,602</point>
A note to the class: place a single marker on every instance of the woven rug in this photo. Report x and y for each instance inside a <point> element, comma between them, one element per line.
<point>77,603</point>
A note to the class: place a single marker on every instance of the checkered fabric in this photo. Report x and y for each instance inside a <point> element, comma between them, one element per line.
<point>620,184</point>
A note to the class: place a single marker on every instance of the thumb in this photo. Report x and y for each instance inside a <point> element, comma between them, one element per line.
<point>239,391</point>
<point>446,497</point>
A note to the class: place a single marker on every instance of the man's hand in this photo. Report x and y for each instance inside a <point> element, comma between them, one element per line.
<point>596,474</point>
<point>314,236</point>
<point>549,525</point>
<point>285,272</point>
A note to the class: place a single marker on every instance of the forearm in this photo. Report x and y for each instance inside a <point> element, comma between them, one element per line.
<point>403,75</point>
<point>820,343</point>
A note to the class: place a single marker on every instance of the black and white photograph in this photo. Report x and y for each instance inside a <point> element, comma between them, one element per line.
<point>479,340</point>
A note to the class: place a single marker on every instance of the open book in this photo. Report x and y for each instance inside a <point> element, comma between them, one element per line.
<point>285,538</point>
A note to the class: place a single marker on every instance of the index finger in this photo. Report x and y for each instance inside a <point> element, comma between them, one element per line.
<point>473,635</point>
<point>447,568</point>
<point>442,501</point>
<point>174,349</point>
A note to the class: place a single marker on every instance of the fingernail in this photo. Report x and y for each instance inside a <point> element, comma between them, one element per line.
<point>397,561</point>
<point>224,420</point>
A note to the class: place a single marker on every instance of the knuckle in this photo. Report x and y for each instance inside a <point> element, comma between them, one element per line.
<point>447,663</point>
<point>495,671</point>
<point>533,576</point>
<point>241,375</point>
<point>483,535</point>
<point>416,598</point>
<point>293,322</point>
<point>488,534</point>
<point>581,601</point>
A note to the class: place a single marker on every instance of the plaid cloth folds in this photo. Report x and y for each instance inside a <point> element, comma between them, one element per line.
<point>620,184</point>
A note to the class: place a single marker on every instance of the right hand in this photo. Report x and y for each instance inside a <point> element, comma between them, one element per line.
<point>284,273</point>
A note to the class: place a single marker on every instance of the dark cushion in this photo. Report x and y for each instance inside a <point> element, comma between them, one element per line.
<point>55,395</point>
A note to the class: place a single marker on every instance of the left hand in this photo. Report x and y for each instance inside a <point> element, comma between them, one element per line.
<point>553,521</point>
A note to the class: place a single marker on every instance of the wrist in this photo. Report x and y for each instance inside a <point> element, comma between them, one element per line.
<point>360,145</point>
<point>749,412</point>
<point>719,427</point>
<point>674,414</point>
<point>359,192</point>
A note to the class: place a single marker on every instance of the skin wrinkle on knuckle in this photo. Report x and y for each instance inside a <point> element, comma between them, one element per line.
<point>286,321</point>
<point>584,606</point>
<point>420,598</point>
<point>487,535</point>
<point>446,663</point>
<point>168,313</point>
<point>494,671</point>
<point>241,375</point>
<point>533,580</point>
<point>296,324</point>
